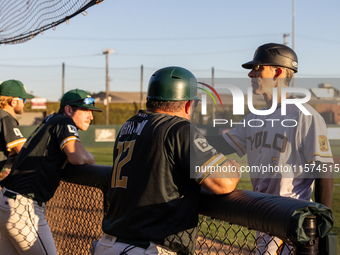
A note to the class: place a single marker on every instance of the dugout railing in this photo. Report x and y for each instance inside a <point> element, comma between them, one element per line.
<point>227,224</point>
<point>75,214</point>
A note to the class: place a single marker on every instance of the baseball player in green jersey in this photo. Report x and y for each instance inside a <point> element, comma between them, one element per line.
<point>154,195</point>
<point>301,145</point>
<point>12,99</point>
<point>36,173</point>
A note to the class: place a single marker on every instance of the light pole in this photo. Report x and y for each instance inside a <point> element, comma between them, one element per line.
<point>285,38</point>
<point>107,52</point>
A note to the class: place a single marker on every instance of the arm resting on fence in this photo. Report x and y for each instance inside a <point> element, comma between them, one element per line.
<point>98,176</point>
<point>276,215</point>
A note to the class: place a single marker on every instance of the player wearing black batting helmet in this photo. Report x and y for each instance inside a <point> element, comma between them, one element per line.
<point>36,173</point>
<point>154,193</point>
<point>273,54</point>
<point>293,146</point>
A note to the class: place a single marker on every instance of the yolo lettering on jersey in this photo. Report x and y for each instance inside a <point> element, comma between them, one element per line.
<point>260,139</point>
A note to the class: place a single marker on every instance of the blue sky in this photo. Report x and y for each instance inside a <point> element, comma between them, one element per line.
<point>195,34</point>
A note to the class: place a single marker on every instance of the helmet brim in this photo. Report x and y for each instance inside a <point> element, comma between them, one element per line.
<point>250,64</point>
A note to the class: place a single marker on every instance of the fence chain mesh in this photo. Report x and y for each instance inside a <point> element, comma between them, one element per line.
<point>75,214</point>
<point>22,20</point>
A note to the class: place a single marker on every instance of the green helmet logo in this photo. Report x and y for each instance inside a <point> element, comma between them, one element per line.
<point>173,84</point>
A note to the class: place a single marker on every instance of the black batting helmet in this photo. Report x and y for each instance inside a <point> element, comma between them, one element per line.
<point>274,54</point>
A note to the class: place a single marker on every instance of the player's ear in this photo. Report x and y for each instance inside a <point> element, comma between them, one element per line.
<point>278,73</point>
<point>68,110</point>
<point>13,102</point>
<point>187,107</point>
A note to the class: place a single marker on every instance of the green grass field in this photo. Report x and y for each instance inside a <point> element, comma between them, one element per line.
<point>104,157</point>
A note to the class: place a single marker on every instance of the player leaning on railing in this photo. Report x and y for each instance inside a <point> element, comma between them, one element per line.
<point>154,194</point>
<point>36,173</point>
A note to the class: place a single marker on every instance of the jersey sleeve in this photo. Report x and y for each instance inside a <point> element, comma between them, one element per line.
<point>193,152</point>
<point>66,132</point>
<point>314,140</point>
<point>236,138</point>
<point>12,134</point>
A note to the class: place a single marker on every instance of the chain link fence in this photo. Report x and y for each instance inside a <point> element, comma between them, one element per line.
<point>75,215</point>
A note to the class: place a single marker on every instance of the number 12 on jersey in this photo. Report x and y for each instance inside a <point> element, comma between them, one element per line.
<point>119,181</point>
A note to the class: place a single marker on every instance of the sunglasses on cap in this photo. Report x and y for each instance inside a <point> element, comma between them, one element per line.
<point>23,99</point>
<point>86,101</point>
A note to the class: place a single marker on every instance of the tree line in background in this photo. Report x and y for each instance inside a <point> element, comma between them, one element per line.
<point>120,112</point>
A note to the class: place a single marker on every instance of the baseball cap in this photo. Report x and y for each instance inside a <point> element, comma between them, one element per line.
<point>80,98</point>
<point>14,88</point>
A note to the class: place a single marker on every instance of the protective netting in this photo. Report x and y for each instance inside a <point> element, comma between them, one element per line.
<point>75,213</point>
<point>22,20</point>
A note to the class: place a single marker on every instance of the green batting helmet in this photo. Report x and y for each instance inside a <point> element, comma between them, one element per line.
<point>172,83</point>
<point>273,54</point>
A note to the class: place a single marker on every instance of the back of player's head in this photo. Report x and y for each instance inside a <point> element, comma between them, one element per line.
<point>274,54</point>
<point>172,83</point>
<point>79,98</point>
<point>170,88</point>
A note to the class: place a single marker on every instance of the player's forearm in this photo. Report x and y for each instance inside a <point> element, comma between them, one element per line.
<point>15,150</point>
<point>77,154</point>
<point>4,173</point>
<point>223,182</point>
<point>81,158</point>
<point>91,175</point>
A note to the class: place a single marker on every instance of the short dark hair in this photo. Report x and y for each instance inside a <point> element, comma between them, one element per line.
<point>62,108</point>
<point>166,106</point>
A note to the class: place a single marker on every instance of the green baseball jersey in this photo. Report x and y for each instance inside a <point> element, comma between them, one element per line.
<point>152,195</point>
<point>37,169</point>
<point>10,135</point>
